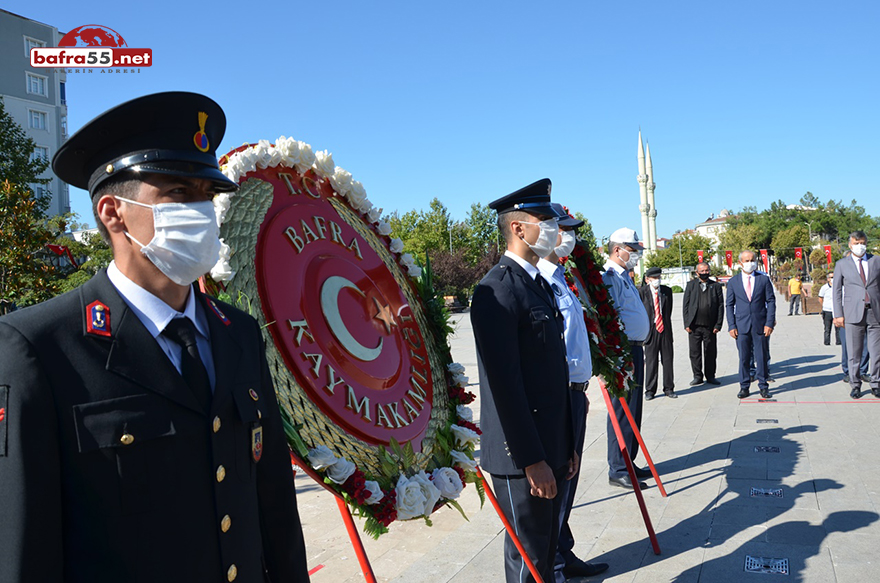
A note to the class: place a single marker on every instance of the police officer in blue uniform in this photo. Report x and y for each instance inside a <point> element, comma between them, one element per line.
<point>624,250</point>
<point>526,417</point>
<point>141,438</point>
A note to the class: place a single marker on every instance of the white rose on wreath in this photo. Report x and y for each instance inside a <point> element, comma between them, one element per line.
<point>411,501</point>
<point>448,482</point>
<point>321,457</point>
<point>463,461</point>
<point>465,436</point>
<point>341,470</point>
<point>465,413</point>
<point>375,491</point>
<point>396,246</point>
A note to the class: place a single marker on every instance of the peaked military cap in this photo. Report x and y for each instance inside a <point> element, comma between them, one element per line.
<point>565,220</point>
<point>654,272</point>
<point>534,198</point>
<point>175,133</point>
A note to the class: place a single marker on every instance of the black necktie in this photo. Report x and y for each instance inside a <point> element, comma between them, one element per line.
<point>183,332</point>
<point>547,289</point>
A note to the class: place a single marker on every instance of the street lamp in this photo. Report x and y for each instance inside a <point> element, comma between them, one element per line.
<point>450,238</point>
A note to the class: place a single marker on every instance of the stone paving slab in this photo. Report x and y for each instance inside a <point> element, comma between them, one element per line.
<point>703,443</point>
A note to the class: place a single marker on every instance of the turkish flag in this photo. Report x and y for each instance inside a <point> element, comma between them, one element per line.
<point>729,256</point>
<point>828,253</point>
<point>798,252</point>
<point>700,256</point>
<point>765,261</point>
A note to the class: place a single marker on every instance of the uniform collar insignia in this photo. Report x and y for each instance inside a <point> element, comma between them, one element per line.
<point>217,312</point>
<point>98,319</point>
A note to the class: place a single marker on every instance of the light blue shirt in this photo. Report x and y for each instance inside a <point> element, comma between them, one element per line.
<point>627,302</point>
<point>577,343</point>
<point>155,314</point>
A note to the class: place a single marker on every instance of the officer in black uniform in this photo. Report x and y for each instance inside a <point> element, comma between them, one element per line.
<point>525,411</point>
<point>141,439</point>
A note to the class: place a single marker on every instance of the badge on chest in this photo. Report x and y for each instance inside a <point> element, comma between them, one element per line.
<point>257,442</point>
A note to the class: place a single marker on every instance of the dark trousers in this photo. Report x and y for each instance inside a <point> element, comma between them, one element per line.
<point>616,463</point>
<point>536,523</point>
<point>795,304</point>
<point>828,320</point>
<point>580,405</point>
<point>844,357</point>
<point>703,345</point>
<point>657,349</point>
<point>859,335</point>
<point>746,342</point>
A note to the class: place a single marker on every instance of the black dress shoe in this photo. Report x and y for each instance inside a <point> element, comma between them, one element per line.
<point>713,381</point>
<point>855,394</point>
<point>866,378</point>
<point>670,394</point>
<point>643,473</point>
<point>649,396</point>
<point>845,378</point>
<point>875,392</point>
<point>752,378</point>
<point>695,382</point>
<point>742,394</point>
<point>579,568</point>
<point>765,393</point>
<point>625,482</point>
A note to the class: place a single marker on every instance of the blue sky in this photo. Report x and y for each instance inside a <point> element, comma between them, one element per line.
<point>743,102</point>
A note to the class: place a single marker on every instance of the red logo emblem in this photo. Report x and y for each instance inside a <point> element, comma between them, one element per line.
<point>2,414</point>
<point>92,35</point>
<point>342,320</point>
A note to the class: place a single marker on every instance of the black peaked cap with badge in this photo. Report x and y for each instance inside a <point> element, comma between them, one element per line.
<point>175,133</point>
<point>533,199</point>
<point>653,272</point>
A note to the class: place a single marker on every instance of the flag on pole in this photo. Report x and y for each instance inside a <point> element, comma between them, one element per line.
<point>729,256</point>
<point>765,261</point>
<point>700,256</point>
<point>828,253</point>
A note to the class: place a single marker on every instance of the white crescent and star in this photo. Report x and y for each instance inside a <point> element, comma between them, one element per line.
<point>330,306</point>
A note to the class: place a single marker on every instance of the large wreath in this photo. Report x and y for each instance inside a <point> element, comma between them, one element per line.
<point>609,347</point>
<point>380,485</point>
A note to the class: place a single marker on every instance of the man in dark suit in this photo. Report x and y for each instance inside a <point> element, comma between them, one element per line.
<point>141,439</point>
<point>703,308</point>
<point>525,411</point>
<point>751,317</point>
<point>658,305</point>
<point>856,305</point>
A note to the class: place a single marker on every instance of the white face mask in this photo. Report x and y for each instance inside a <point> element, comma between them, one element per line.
<point>546,238</point>
<point>749,266</point>
<point>858,249</point>
<point>186,239</point>
<point>565,248</point>
<point>633,260</point>
<point>654,283</point>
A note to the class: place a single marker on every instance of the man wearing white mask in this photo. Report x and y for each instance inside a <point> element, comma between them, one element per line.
<point>580,370</point>
<point>624,250</point>
<point>141,438</point>
<point>856,304</point>
<point>658,347</point>
<point>751,317</point>
<point>525,406</point>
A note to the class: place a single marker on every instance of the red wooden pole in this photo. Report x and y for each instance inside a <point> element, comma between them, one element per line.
<point>638,433</point>
<point>630,468</point>
<point>510,531</point>
<point>353,535</point>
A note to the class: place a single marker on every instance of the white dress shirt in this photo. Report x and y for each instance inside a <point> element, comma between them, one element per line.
<point>530,269</point>
<point>155,314</point>
<point>749,284</point>
<point>577,343</point>
<point>864,259</point>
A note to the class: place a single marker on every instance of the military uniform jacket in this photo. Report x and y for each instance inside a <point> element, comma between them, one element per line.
<point>525,412</point>
<point>110,472</point>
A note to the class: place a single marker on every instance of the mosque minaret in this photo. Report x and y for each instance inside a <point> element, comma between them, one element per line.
<point>646,194</point>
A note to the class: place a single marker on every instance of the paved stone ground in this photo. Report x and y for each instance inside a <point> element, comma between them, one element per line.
<point>825,523</point>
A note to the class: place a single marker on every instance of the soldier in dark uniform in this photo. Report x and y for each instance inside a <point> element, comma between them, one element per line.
<point>526,416</point>
<point>141,438</point>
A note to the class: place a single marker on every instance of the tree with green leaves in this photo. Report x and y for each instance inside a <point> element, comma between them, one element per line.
<point>671,257</point>
<point>18,165</point>
<point>25,276</point>
<point>786,240</point>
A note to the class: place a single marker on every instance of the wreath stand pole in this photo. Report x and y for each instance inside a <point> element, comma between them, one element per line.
<point>635,428</point>
<point>510,531</point>
<point>350,526</point>
<point>630,468</point>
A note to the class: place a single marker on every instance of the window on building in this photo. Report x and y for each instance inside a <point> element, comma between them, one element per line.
<point>64,125</point>
<point>63,92</point>
<point>40,190</point>
<point>38,120</point>
<point>37,85</point>
<point>40,152</point>
<point>30,43</point>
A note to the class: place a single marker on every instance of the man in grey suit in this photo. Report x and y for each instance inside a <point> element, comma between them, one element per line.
<point>856,303</point>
